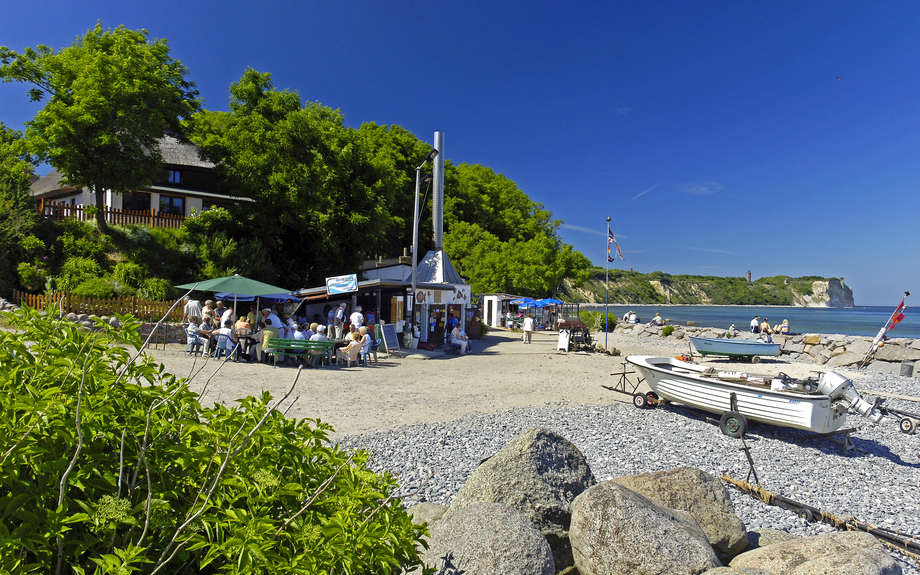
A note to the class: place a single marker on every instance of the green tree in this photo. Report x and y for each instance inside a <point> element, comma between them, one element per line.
<point>110,96</point>
<point>18,218</point>
<point>315,192</point>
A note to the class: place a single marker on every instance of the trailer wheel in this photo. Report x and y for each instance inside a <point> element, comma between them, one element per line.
<point>806,514</point>
<point>640,401</point>
<point>907,426</point>
<point>733,424</point>
<point>755,359</point>
<point>652,399</point>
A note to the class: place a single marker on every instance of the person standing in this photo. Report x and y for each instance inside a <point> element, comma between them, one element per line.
<point>528,328</point>
<point>357,318</point>
<point>755,324</point>
<point>340,321</point>
<point>192,309</point>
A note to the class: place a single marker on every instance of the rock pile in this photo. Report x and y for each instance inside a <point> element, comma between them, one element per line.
<point>537,495</point>
<point>830,350</point>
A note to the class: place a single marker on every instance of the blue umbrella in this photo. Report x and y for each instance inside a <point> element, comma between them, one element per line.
<point>520,301</point>
<point>550,301</point>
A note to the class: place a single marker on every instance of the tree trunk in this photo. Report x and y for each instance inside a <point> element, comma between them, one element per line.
<point>100,209</point>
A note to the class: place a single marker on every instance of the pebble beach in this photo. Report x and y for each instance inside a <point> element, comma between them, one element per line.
<point>432,418</point>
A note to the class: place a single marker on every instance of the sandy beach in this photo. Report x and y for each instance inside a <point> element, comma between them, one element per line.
<point>419,387</point>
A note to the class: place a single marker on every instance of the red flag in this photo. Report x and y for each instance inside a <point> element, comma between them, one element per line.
<point>898,314</point>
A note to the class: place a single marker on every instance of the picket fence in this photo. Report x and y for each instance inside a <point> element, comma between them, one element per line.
<point>143,309</point>
<point>152,218</point>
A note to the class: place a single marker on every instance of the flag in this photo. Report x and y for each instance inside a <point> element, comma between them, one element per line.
<point>610,259</point>
<point>612,240</point>
<point>898,314</point>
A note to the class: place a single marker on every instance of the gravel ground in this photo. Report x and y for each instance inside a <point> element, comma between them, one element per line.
<point>878,484</point>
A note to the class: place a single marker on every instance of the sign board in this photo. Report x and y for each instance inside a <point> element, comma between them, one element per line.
<point>342,284</point>
<point>390,341</point>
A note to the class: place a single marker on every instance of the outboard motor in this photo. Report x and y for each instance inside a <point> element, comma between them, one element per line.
<point>839,388</point>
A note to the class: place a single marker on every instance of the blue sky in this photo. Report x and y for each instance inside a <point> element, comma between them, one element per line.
<point>716,135</point>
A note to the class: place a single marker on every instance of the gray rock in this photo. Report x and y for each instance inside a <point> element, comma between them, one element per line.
<point>844,553</point>
<point>488,539</point>
<point>538,473</point>
<point>617,531</point>
<point>846,358</point>
<point>765,537</point>
<point>883,367</point>
<point>859,347</point>
<point>428,513</point>
<point>701,495</point>
<point>896,353</point>
<point>71,317</point>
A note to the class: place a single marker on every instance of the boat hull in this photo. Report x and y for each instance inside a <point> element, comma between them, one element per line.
<point>683,383</point>
<point>733,347</point>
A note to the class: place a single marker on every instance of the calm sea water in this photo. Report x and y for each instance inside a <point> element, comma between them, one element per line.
<point>848,321</point>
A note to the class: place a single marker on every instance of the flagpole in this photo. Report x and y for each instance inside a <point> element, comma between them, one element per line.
<point>607,287</point>
<point>883,331</point>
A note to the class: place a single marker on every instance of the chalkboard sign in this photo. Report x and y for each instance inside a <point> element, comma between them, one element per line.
<point>390,341</point>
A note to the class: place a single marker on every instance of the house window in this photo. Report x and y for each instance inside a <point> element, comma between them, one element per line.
<point>136,202</point>
<point>172,205</point>
<point>175,177</point>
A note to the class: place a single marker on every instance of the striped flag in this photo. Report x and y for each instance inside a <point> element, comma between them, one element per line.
<point>612,240</point>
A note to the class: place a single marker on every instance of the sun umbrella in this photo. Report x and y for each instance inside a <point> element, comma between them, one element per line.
<point>236,284</point>
<point>520,301</point>
<point>271,298</point>
<point>549,300</point>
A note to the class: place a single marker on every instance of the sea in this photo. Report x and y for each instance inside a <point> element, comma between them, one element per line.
<point>866,321</point>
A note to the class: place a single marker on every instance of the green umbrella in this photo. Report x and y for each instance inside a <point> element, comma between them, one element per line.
<point>235,284</point>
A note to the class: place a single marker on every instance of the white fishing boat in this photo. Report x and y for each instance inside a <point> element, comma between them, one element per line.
<point>818,405</point>
<point>749,348</point>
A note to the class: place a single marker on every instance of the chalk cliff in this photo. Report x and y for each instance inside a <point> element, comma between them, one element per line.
<point>830,293</point>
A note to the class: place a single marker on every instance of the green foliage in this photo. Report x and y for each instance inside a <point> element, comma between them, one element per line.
<point>595,320</point>
<point>95,288</point>
<point>31,276</point>
<point>667,330</point>
<point>129,274</point>
<point>156,289</point>
<point>109,465</point>
<point>76,271</point>
<point>110,97</point>
<point>18,219</point>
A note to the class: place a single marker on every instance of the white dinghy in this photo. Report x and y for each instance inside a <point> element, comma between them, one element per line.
<point>814,405</point>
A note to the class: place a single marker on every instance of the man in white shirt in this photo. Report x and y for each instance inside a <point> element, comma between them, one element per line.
<point>357,318</point>
<point>340,321</point>
<point>192,309</point>
<point>755,324</point>
<point>267,313</point>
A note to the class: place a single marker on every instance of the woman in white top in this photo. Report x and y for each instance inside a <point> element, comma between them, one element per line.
<point>459,338</point>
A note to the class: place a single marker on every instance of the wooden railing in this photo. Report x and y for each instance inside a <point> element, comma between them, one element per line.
<point>143,309</point>
<point>114,216</point>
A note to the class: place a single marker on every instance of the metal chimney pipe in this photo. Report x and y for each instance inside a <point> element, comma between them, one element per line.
<point>437,210</point>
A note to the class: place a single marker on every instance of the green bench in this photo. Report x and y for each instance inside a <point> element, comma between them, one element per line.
<point>322,350</point>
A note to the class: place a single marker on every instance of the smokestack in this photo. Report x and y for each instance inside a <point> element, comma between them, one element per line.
<point>437,210</point>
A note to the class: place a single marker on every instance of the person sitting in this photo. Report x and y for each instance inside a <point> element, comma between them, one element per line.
<point>755,324</point>
<point>782,328</point>
<point>268,332</point>
<point>229,341</point>
<point>458,338</point>
<point>765,326</point>
<point>657,320</point>
<point>191,332</point>
<point>206,330</point>
<point>366,341</point>
<point>352,347</point>
<point>320,335</point>
<point>734,331</point>
<point>633,318</point>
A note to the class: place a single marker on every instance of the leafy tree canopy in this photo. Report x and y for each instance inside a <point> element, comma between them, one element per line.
<point>110,96</point>
<point>18,219</point>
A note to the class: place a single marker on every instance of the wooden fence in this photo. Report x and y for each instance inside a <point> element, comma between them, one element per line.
<point>143,309</point>
<point>152,218</point>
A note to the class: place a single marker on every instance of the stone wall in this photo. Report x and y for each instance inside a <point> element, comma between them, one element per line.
<point>822,349</point>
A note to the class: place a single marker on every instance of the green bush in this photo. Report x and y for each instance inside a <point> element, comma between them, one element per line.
<point>156,289</point>
<point>76,271</point>
<point>31,276</point>
<point>109,465</point>
<point>99,288</point>
<point>667,330</point>
<point>129,274</point>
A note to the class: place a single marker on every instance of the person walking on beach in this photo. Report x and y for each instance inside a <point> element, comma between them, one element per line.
<point>755,324</point>
<point>528,328</point>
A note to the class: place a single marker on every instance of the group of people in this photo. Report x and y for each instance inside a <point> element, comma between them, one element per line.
<point>763,327</point>
<point>214,326</point>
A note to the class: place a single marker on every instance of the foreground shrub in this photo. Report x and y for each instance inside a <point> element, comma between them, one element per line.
<point>99,288</point>
<point>112,466</point>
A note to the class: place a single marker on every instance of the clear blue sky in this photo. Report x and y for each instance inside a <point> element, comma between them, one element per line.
<point>716,135</point>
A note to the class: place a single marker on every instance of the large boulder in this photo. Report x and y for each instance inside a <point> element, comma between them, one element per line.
<point>539,473</point>
<point>616,531</point>
<point>765,536</point>
<point>701,495</point>
<point>488,539</point>
<point>845,553</point>
<point>426,513</point>
<point>897,353</point>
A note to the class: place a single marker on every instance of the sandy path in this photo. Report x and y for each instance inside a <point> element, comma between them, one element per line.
<point>431,387</point>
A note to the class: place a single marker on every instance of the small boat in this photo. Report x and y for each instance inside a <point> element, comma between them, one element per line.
<point>814,405</point>
<point>752,348</point>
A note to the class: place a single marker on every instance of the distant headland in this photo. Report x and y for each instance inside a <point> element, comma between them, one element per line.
<point>629,287</point>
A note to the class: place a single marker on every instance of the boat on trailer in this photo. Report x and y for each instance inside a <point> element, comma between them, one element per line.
<point>749,348</point>
<point>815,404</point>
